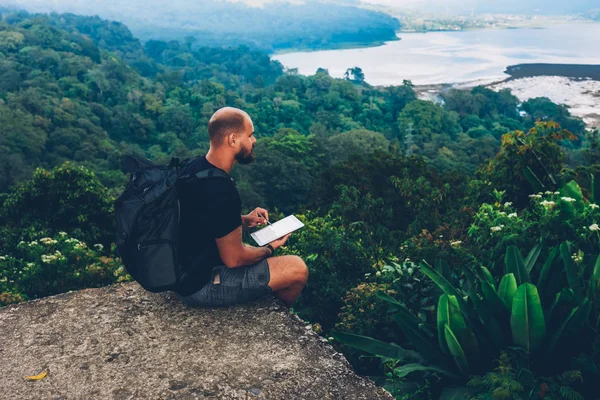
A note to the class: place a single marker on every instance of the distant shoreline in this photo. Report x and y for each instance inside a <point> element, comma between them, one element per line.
<point>573,71</point>
<point>334,46</point>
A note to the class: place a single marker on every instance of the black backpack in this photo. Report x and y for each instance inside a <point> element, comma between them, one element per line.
<point>147,215</point>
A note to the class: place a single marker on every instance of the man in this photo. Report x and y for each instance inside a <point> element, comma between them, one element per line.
<point>221,270</point>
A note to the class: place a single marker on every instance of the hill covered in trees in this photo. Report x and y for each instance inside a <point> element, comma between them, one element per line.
<point>215,23</point>
<point>381,179</point>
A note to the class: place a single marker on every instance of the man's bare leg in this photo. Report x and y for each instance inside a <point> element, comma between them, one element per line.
<point>288,277</point>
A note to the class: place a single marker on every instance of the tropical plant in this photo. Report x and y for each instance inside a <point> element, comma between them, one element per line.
<point>476,322</point>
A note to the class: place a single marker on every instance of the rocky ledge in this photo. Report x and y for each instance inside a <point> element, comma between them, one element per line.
<point>120,342</point>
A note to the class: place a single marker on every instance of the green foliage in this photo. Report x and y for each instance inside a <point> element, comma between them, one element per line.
<point>51,265</point>
<point>68,198</point>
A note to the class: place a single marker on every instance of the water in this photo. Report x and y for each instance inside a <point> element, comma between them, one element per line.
<point>457,57</point>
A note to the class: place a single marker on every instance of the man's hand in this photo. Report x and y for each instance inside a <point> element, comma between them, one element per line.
<point>259,216</point>
<point>280,242</point>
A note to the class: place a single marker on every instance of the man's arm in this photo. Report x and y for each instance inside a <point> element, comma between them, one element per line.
<point>234,253</point>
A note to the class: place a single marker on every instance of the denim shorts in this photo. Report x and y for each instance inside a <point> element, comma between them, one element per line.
<point>237,285</point>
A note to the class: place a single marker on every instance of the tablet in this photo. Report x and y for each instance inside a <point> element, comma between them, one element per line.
<point>276,230</point>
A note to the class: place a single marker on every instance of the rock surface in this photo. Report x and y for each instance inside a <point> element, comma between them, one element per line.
<point>120,342</point>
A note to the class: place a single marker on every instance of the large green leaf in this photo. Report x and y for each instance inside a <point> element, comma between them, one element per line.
<point>507,289</point>
<point>449,314</point>
<point>456,350</point>
<point>376,347</point>
<point>527,318</point>
<point>409,324</point>
<point>569,209</point>
<point>406,369</point>
<point>487,275</point>
<point>576,318</point>
<point>532,257</point>
<point>516,265</point>
<point>491,332</point>
<point>443,318</point>
<point>443,284</point>
<point>595,189</point>
<point>575,281</point>
<point>564,301</point>
<point>442,267</point>
<point>545,272</point>
<point>558,333</point>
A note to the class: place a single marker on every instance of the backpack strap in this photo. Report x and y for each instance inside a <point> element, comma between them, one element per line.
<point>212,173</point>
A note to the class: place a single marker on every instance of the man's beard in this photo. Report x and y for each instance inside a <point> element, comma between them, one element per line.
<point>244,156</point>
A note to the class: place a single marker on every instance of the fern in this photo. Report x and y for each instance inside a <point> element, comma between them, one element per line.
<point>568,393</point>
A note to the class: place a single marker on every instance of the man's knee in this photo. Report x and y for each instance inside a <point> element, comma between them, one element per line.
<point>301,275</point>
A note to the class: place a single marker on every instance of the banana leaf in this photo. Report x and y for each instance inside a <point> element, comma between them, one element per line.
<point>569,209</point>
<point>377,347</point>
<point>492,338</point>
<point>409,324</point>
<point>488,277</point>
<point>532,257</point>
<point>406,369</point>
<point>456,351</point>
<point>594,288</point>
<point>580,317</point>
<point>442,267</point>
<point>443,317</point>
<point>451,315</point>
<point>527,318</point>
<point>575,281</point>
<point>444,284</point>
<point>507,289</point>
<point>516,265</point>
<point>559,332</point>
<point>571,324</point>
<point>545,272</point>
<point>563,303</point>
<point>490,295</point>
<point>534,181</point>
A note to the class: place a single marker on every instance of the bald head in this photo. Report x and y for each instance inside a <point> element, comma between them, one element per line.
<point>226,121</point>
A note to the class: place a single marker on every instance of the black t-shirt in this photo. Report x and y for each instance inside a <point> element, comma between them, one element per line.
<point>210,208</point>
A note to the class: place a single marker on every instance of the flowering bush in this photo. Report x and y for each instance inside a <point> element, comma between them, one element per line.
<point>551,218</point>
<point>51,265</point>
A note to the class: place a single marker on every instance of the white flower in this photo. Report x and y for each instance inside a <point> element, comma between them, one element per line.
<point>455,243</point>
<point>2,258</point>
<point>502,213</point>
<point>34,243</point>
<point>548,192</point>
<point>378,273</point>
<point>62,233</point>
<point>567,199</point>
<point>594,205</point>
<point>547,204</point>
<point>98,246</point>
<point>80,245</point>
<point>535,196</point>
<point>21,243</point>
<point>512,215</point>
<point>410,271</point>
<point>48,241</point>
<point>557,193</point>
<point>30,264</point>
<point>496,228</point>
<point>72,240</point>
<point>594,227</point>
<point>508,204</point>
